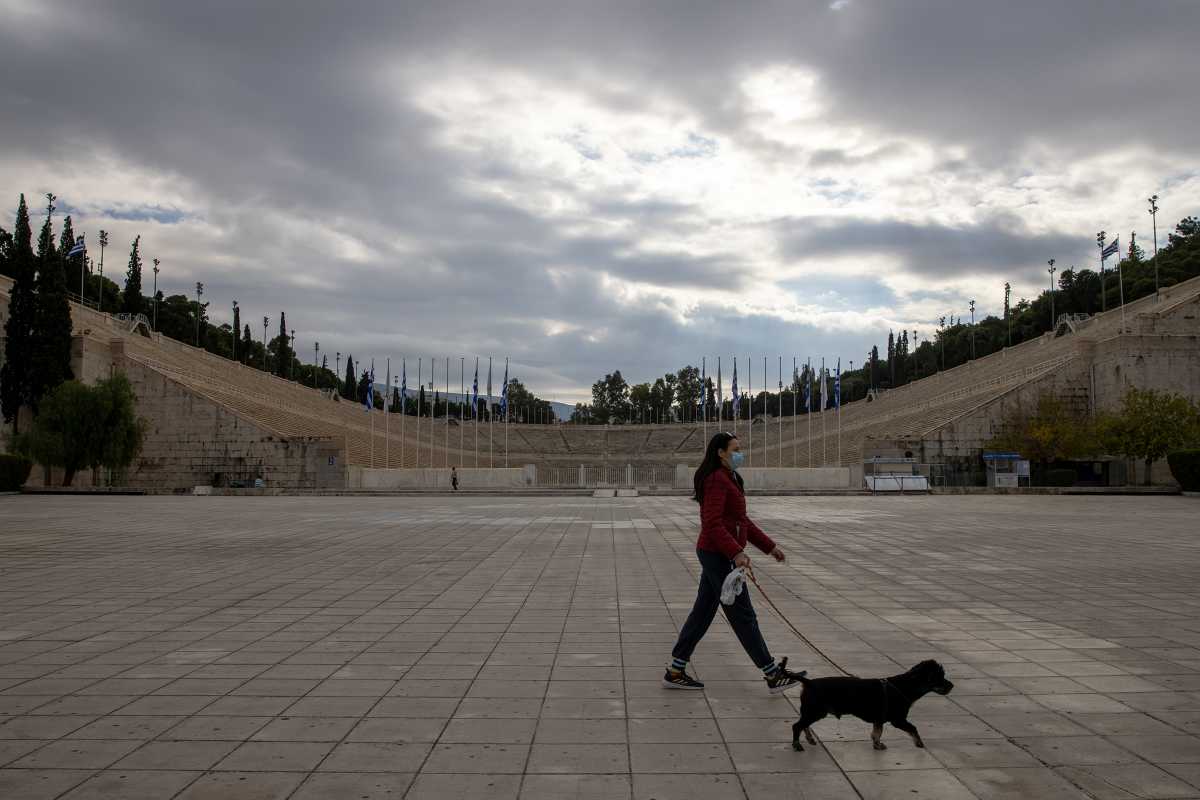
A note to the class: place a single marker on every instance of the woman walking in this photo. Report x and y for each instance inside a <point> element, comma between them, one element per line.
<point>724,531</point>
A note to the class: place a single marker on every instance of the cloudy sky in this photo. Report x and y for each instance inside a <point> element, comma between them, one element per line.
<point>591,186</point>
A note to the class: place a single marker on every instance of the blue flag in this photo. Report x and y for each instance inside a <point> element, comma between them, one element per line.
<point>703,387</point>
<point>808,390</point>
<point>77,249</point>
<point>370,403</point>
<point>837,385</point>
<point>475,392</point>
<point>504,393</point>
<point>403,386</point>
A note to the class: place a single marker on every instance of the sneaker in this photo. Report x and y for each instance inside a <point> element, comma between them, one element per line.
<point>679,679</point>
<point>784,679</point>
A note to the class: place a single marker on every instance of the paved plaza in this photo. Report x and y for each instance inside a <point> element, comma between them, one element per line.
<point>478,647</point>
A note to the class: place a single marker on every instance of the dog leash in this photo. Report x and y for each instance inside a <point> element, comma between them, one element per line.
<point>793,628</point>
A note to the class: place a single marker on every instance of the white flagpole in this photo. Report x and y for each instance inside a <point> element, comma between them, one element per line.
<point>387,416</point>
<point>403,409</point>
<point>808,411</point>
<point>447,414</point>
<point>720,396</point>
<point>795,391</point>
<point>420,391</point>
<point>475,409</point>
<point>491,460</point>
<point>462,395</point>
<point>824,381</point>
<point>507,401</point>
<point>704,401</point>
<point>1121,285</point>
<point>371,409</point>
<point>750,393</point>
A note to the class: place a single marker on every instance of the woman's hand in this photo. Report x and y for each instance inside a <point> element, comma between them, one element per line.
<point>778,555</point>
<point>741,560</point>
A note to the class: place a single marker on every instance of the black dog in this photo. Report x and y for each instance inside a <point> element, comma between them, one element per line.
<point>874,700</point>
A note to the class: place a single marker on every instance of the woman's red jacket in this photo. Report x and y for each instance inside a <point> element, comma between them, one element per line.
<point>724,526</point>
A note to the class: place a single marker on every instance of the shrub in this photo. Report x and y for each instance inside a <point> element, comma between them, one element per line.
<point>14,471</point>
<point>1185,466</point>
<point>1060,477</point>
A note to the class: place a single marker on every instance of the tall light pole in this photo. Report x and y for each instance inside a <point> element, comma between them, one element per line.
<point>972,330</point>
<point>266,352</point>
<point>1051,271</point>
<point>236,332</point>
<point>199,294</point>
<point>103,244</point>
<point>154,296</point>
<point>942,339</point>
<point>337,368</point>
<point>291,352</point>
<point>316,355</point>
<point>1154,221</point>
<point>1100,244</point>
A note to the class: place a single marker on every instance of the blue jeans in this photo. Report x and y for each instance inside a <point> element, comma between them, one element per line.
<point>713,569</point>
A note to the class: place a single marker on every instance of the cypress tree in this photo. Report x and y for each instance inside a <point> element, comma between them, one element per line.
<point>282,350</point>
<point>16,373</point>
<point>132,301</point>
<point>348,385</point>
<point>71,264</point>
<point>51,320</point>
<point>238,354</point>
<point>247,345</point>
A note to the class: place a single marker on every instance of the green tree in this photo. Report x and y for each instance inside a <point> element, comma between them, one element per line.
<point>349,390</point>
<point>71,265</point>
<point>16,374</point>
<point>1151,424</point>
<point>132,301</point>
<point>281,349</point>
<point>6,246</point>
<point>687,392</point>
<point>582,415</point>
<point>610,399</point>
<point>86,427</point>
<point>1052,431</point>
<point>51,320</point>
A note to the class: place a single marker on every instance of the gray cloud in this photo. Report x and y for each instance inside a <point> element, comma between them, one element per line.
<point>280,117</point>
<point>998,245</point>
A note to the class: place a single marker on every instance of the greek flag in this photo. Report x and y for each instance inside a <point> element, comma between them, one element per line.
<point>489,388</point>
<point>1112,249</point>
<point>703,387</point>
<point>837,385</point>
<point>824,386</point>
<point>475,392</point>
<point>403,386</point>
<point>504,393</point>
<point>808,390</point>
<point>737,398</point>
<point>370,402</point>
<point>78,249</point>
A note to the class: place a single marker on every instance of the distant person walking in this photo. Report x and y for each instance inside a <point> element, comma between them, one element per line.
<point>454,478</point>
<point>724,531</point>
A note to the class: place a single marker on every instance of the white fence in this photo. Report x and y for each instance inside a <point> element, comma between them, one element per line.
<point>606,476</point>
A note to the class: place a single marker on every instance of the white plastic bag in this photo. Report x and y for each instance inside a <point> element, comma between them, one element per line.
<point>735,584</point>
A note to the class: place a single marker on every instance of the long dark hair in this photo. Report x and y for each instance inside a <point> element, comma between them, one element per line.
<point>712,463</point>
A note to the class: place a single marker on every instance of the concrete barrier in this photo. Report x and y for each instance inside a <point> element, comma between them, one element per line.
<point>787,478</point>
<point>439,479</point>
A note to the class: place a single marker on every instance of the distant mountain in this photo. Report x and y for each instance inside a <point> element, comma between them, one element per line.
<point>562,410</point>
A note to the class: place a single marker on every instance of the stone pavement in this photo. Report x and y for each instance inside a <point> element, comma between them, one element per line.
<point>468,647</point>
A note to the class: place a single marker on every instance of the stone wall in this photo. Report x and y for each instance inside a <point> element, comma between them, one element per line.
<point>468,478</point>
<point>192,441</point>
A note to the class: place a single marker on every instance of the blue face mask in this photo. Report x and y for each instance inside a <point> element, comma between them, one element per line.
<point>736,459</point>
